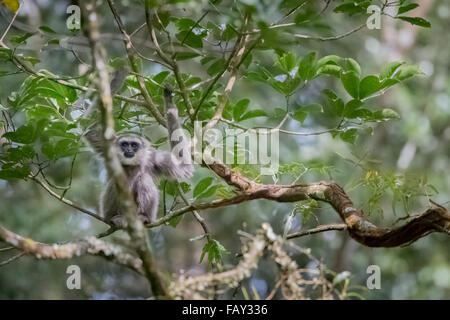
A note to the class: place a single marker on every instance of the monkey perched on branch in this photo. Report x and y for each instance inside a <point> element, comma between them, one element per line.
<point>142,164</point>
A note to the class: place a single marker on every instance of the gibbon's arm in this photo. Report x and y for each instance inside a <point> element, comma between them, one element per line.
<point>117,81</point>
<point>178,162</point>
<point>95,138</point>
<point>166,163</point>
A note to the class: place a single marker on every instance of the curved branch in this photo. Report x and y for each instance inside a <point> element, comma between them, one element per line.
<point>68,202</point>
<point>435,219</point>
<point>294,283</point>
<point>135,227</point>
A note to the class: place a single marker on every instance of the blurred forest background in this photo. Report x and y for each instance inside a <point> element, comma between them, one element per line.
<point>415,147</point>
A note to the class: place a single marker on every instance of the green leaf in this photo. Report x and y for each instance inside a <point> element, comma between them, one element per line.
<point>36,88</point>
<point>416,21</point>
<point>350,81</point>
<point>18,172</point>
<point>390,114</point>
<point>20,153</point>
<point>301,111</point>
<point>59,149</point>
<point>408,72</point>
<point>206,60</point>
<point>351,107</point>
<point>216,67</point>
<point>5,54</point>
<point>287,62</point>
<point>191,39</point>
<point>208,192</point>
<point>47,29</point>
<point>330,69</point>
<point>186,187</point>
<point>25,134</point>
<point>390,69</point>
<point>386,114</point>
<point>60,128</point>
<point>41,112</point>
<point>331,59</point>
<point>368,86</point>
<point>253,114</point>
<point>285,84</point>
<point>261,74</point>
<point>185,24</point>
<point>160,77</point>
<point>336,102</point>
<point>49,93</point>
<point>186,55</point>
<point>20,39</point>
<point>173,222</point>
<point>229,33</point>
<point>312,107</point>
<point>239,108</point>
<point>362,113</point>
<point>202,185</point>
<point>349,135</point>
<point>214,249</point>
<point>349,64</point>
<point>278,113</point>
<point>388,83</point>
<point>300,116</point>
<point>407,8</point>
<point>353,7</point>
<point>307,67</point>
<point>171,187</point>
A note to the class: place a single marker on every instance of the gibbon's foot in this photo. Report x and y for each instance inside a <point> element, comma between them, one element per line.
<point>145,219</point>
<point>119,221</point>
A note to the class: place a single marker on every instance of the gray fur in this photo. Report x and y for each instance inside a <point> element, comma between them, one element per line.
<point>142,168</point>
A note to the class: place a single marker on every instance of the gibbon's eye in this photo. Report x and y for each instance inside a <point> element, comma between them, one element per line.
<point>135,145</point>
<point>124,144</point>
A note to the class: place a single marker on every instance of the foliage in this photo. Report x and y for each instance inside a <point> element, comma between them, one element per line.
<point>333,96</point>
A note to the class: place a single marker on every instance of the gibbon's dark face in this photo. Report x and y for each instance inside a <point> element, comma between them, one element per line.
<point>129,148</point>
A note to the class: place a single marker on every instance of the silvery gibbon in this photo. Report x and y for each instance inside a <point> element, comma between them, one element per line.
<point>142,164</point>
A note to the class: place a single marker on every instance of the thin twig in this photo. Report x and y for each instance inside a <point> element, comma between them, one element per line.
<point>308,37</point>
<point>66,201</point>
<point>7,30</point>
<point>17,256</point>
<point>324,228</point>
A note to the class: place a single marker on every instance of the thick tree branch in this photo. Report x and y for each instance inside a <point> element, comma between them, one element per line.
<point>135,227</point>
<point>293,282</point>
<point>435,219</point>
<point>90,245</point>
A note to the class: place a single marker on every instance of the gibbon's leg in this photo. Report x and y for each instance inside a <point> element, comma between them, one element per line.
<point>146,195</point>
<point>109,206</point>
